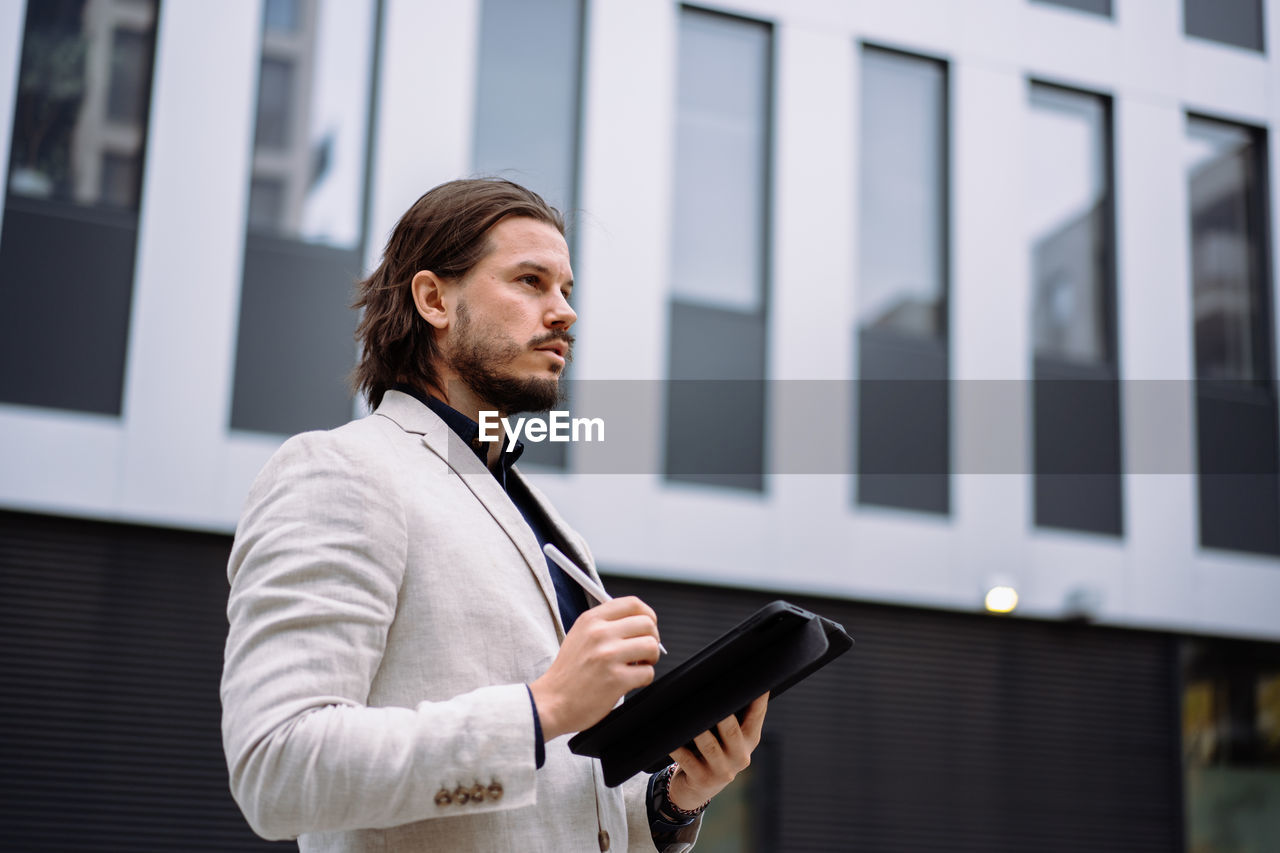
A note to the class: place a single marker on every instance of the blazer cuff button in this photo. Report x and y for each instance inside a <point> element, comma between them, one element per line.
<point>495,791</point>
<point>477,793</point>
<point>443,798</point>
<point>461,795</point>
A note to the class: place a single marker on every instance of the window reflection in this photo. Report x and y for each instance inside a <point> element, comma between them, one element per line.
<point>1231,745</point>
<point>1224,175</point>
<point>722,127</point>
<point>514,94</point>
<point>1070,228</point>
<point>310,133</point>
<point>83,91</point>
<point>901,247</point>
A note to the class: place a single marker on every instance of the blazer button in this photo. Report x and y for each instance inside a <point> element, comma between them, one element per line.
<point>461,795</point>
<point>443,798</point>
<point>603,838</point>
<point>477,793</point>
<point>495,791</point>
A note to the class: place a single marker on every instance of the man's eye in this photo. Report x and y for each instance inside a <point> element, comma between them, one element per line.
<point>530,280</point>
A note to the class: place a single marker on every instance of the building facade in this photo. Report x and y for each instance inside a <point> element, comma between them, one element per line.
<point>883,304</point>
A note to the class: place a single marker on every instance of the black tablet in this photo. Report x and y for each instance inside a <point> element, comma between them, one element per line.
<point>770,651</point>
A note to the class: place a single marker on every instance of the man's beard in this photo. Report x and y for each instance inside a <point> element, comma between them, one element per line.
<point>478,357</point>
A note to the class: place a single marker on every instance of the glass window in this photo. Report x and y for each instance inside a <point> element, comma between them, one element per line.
<point>514,94</point>
<point>74,179</point>
<point>266,203</point>
<point>722,133</point>
<point>305,216</point>
<point>902,203</point>
<point>1224,171</point>
<point>1236,22</point>
<point>1236,418</point>
<point>119,180</point>
<point>128,91</point>
<point>275,98</point>
<point>1231,744</point>
<point>64,127</point>
<point>1070,221</point>
<point>719,252</point>
<point>281,16</point>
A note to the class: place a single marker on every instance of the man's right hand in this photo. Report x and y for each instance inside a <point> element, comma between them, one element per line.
<point>610,650</point>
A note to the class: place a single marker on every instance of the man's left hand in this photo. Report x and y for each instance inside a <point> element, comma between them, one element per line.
<point>722,754</point>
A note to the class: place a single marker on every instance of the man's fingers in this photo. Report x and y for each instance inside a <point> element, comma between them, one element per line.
<point>638,650</point>
<point>708,744</point>
<point>628,605</point>
<point>753,722</point>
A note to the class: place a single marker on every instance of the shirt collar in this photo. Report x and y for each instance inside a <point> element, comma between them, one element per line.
<point>465,428</point>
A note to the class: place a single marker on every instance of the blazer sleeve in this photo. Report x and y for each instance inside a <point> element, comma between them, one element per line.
<point>315,570</point>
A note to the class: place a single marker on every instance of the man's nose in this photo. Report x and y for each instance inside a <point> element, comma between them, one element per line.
<point>561,314</point>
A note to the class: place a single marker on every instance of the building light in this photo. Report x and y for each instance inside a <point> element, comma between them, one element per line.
<point>1001,598</point>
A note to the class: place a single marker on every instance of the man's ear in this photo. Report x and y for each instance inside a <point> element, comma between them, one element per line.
<point>428,298</point>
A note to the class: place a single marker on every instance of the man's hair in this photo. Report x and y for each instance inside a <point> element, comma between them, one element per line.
<point>446,232</point>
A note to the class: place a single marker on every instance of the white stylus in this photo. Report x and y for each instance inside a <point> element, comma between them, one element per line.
<point>580,577</point>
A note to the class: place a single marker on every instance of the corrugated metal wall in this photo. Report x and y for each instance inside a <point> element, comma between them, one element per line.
<point>954,732</point>
<point>112,652</point>
<point>938,732</point>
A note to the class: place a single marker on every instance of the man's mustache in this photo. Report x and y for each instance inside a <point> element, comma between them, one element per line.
<point>555,335</point>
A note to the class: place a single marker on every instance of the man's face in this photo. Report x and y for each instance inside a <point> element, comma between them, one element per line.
<point>509,342</point>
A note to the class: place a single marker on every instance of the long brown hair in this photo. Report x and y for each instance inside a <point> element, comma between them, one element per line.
<point>445,231</point>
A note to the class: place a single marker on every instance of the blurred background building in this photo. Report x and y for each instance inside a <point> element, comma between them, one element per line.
<point>902,299</point>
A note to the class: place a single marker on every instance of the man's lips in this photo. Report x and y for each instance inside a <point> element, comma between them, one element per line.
<point>560,348</point>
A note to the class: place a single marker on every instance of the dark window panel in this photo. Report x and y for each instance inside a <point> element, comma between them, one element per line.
<point>276,98</point>
<point>1234,22</point>
<point>64,331</point>
<point>130,71</point>
<point>716,397</point>
<point>903,448</point>
<point>120,180</point>
<point>266,205</point>
<point>295,349</point>
<point>1078,484</point>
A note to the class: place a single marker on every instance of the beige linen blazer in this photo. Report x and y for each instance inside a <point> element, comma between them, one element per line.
<point>388,606</point>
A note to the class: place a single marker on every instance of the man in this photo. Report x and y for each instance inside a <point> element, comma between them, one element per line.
<point>402,662</point>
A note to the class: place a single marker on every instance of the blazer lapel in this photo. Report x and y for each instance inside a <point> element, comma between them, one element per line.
<point>436,435</point>
<point>568,542</point>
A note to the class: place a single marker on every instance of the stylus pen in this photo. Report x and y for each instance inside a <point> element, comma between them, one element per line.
<point>583,579</point>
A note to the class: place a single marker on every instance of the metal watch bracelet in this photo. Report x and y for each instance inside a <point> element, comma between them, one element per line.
<point>668,810</point>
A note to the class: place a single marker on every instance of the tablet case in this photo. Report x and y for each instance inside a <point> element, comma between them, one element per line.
<point>773,649</point>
